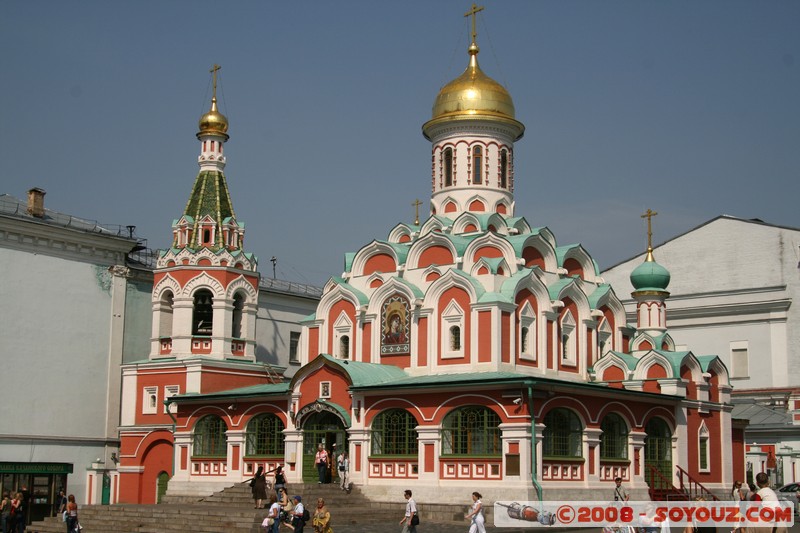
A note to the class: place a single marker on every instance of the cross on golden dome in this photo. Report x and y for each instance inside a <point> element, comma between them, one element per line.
<point>473,13</point>
<point>213,71</point>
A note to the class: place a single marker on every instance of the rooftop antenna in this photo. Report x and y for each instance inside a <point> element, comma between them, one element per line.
<point>274,264</point>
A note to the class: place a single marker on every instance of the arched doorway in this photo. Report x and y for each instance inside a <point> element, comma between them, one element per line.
<point>326,428</point>
<point>162,482</point>
<point>658,454</point>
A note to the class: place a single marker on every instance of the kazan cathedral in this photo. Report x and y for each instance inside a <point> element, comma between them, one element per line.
<point>467,350</point>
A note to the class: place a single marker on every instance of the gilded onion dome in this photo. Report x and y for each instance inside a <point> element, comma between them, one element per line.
<point>474,95</point>
<point>213,122</point>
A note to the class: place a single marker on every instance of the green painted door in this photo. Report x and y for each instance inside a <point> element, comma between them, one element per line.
<point>326,429</point>
<point>105,498</point>
<point>162,484</point>
<point>658,454</point>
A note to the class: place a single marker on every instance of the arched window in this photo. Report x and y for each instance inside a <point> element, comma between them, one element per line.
<point>562,434</point>
<point>477,164</point>
<point>448,167</point>
<point>393,433</point>
<point>210,438</point>
<point>523,339</point>
<point>265,435</point>
<point>614,439</point>
<point>471,430</point>
<point>344,347</point>
<point>703,450</point>
<point>527,332</point>
<point>203,312</point>
<point>165,315</point>
<point>568,339</point>
<point>238,307</point>
<point>455,338</point>
<point>504,169</point>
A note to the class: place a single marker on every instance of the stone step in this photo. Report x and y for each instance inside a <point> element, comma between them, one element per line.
<point>231,510</point>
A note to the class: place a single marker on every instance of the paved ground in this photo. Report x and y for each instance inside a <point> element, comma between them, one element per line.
<point>455,528</point>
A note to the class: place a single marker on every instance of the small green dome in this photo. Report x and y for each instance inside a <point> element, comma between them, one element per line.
<point>650,276</point>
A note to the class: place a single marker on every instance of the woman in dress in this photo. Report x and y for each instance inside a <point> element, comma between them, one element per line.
<point>322,518</point>
<point>259,486</point>
<point>72,514</point>
<point>476,515</point>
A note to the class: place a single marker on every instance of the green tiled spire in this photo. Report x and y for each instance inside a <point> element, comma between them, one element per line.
<point>210,197</point>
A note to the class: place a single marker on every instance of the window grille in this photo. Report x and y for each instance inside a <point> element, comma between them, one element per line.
<point>614,439</point>
<point>562,434</point>
<point>265,436</point>
<point>394,433</point>
<point>210,438</point>
<point>471,431</point>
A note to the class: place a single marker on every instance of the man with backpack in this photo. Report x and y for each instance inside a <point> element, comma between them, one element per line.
<point>300,515</point>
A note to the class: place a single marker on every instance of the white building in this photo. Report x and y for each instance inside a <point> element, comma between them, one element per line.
<point>735,293</point>
<point>73,304</point>
<point>76,306</point>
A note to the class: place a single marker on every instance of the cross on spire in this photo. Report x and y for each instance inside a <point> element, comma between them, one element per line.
<point>473,13</point>
<point>649,216</point>
<point>213,71</point>
<point>416,205</point>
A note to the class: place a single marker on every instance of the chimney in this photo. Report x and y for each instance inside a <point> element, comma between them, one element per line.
<point>36,202</point>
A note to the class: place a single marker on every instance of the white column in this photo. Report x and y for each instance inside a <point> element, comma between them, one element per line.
<point>591,439</point>
<point>429,436</point>
<point>636,453</point>
<point>236,470</point>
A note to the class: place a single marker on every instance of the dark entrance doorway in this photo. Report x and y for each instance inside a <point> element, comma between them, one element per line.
<point>322,428</point>
<point>658,454</point>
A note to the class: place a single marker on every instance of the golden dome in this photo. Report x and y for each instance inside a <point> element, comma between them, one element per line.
<point>213,121</point>
<point>473,95</point>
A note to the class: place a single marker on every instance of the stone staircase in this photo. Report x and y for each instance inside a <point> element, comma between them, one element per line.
<point>231,510</point>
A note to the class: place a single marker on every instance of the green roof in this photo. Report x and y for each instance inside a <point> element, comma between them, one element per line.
<point>267,389</point>
<point>360,296</point>
<point>210,197</point>
<point>598,293</point>
<point>366,374</point>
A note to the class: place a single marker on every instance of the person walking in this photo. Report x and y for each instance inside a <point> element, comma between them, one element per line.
<point>286,505</point>
<point>259,487</point>
<point>298,515</point>
<point>408,522</point>
<point>343,467</point>
<point>72,515</point>
<point>280,480</point>
<point>273,519</point>
<point>476,515</point>
<point>620,494</point>
<point>321,521</point>
<point>321,460</point>
<point>17,514</point>
<point>5,511</point>
<point>767,495</point>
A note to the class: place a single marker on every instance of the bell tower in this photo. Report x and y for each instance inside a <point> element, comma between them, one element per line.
<point>472,131</point>
<point>205,293</point>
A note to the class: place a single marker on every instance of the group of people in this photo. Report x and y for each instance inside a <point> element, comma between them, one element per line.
<point>293,514</point>
<point>760,492</point>
<point>12,513</point>
<point>323,463</point>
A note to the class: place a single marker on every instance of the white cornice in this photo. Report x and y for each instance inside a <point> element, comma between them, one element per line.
<point>50,239</point>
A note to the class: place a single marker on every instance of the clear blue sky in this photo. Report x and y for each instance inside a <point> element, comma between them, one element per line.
<point>690,108</point>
